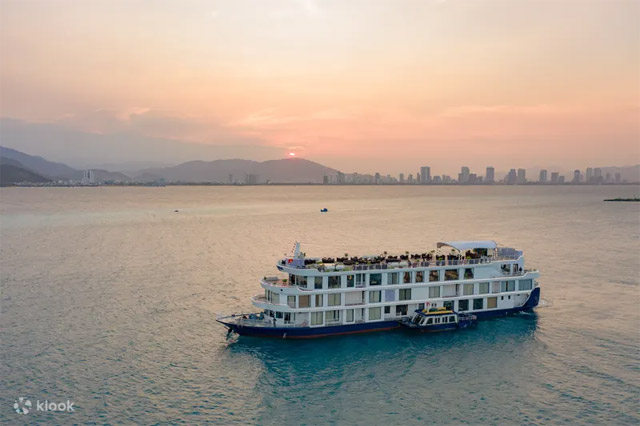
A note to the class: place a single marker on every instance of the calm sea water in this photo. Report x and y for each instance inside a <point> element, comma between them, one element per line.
<point>109,300</point>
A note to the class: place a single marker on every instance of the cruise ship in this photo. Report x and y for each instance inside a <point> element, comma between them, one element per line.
<point>318,297</point>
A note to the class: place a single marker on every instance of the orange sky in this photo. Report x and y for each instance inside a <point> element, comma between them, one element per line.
<point>357,85</point>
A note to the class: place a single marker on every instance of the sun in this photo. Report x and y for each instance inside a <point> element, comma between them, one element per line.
<point>292,154</point>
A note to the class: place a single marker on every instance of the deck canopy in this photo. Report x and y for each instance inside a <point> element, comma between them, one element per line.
<point>468,245</point>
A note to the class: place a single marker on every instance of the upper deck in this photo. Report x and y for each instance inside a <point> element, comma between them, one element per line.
<point>460,253</point>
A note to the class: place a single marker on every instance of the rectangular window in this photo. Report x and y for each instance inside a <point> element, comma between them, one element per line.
<point>303,301</point>
<point>374,296</point>
<point>450,274</point>
<point>279,315</point>
<point>525,284</point>
<point>332,316</point>
<point>406,279</point>
<point>316,318</point>
<point>392,278</point>
<point>387,309</point>
<point>350,281</point>
<point>375,313</point>
<point>434,292</point>
<point>334,281</point>
<point>492,302</point>
<point>360,282</point>
<point>467,289</point>
<point>334,299</point>
<point>317,283</point>
<point>463,305</point>
<point>419,276</point>
<point>401,310</point>
<point>477,304</point>
<point>291,301</point>
<point>318,300</point>
<point>275,298</point>
<point>468,274</point>
<point>434,276</point>
<point>448,304</point>
<point>507,286</point>
<point>349,315</point>
<point>301,281</point>
<point>389,295</point>
<point>405,294</point>
<point>483,288</point>
<point>375,279</point>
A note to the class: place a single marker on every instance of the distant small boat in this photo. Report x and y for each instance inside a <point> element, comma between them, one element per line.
<point>324,210</point>
<point>624,199</point>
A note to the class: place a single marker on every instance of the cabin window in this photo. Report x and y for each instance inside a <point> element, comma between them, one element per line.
<point>334,281</point>
<point>405,294</point>
<point>334,299</point>
<point>316,318</point>
<point>467,289</point>
<point>374,296</point>
<point>291,301</point>
<point>477,304</point>
<point>401,309</point>
<point>448,304</point>
<point>450,274</point>
<point>275,298</point>
<point>375,279</point>
<point>434,276</point>
<point>429,321</point>
<point>483,288</point>
<point>525,284</point>
<point>434,292</point>
<point>492,302</point>
<point>508,286</point>
<point>436,320</point>
<point>420,306</point>
<point>468,274</point>
<point>279,315</point>
<point>318,300</point>
<point>349,315</point>
<point>419,276</point>
<point>360,280</point>
<point>387,309</point>
<point>333,316</point>
<point>463,305</point>
<point>375,313</point>
<point>301,281</point>
<point>350,281</point>
<point>452,319</point>
<point>389,295</point>
<point>303,301</point>
<point>406,279</point>
<point>392,278</point>
<point>317,283</point>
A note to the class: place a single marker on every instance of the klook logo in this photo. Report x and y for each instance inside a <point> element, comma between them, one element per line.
<point>23,406</point>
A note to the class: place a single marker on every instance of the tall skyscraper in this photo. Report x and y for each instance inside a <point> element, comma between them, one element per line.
<point>425,174</point>
<point>401,176</point>
<point>340,178</point>
<point>377,178</point>
<point>522,176</point>
<point>511,177</point>
<point>597,175</point>
<point>490,175</point>
<point>543,176</point>
<point>589,175</point>
<point>463,176</point>
<point>576,176</point>
<point>554,177</point>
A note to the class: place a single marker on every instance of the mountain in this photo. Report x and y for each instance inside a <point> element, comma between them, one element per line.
<point>288,170</point>
<point>39,165</point>
<point>12,172</point>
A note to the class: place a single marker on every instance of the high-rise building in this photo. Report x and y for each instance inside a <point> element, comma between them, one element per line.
<point>490,176</point>
<point>522,176</point>
<point>377,180</point>
<point>543,176</point>
<point>437,179</point>
<point>340,178</point>
<point>511,177</point>
<point>589,174</point>
<point>554,177</point>
<point>425,174</point>
<point>88,176</point>
<point>597,175</point>
<point>410,178</point>
<point>463,176</point>
<point>401,177</point>
<point>561,179</point>
<point>576,176</point>
<point>618,178</point>
<point>608,178</point>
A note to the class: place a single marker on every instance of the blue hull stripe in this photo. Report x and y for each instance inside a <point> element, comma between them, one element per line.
<point>311,332</point>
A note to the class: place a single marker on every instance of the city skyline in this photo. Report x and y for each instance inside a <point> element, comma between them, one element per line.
<point>330,81</point>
